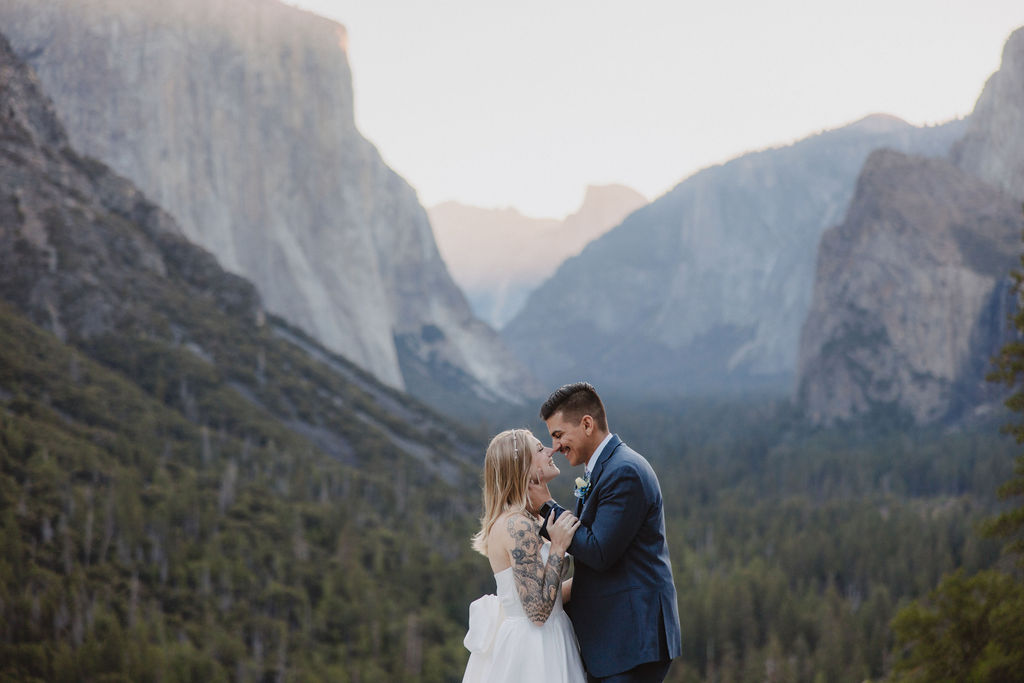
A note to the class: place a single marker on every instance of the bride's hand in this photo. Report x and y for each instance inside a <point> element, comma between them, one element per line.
<point>562,530</point>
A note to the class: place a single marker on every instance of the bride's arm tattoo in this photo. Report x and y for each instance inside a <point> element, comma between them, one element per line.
<point>538,583</point>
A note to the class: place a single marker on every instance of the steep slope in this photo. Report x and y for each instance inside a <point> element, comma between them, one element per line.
<point>236,116</point>
<point>498,256</point>
<point>912,295</point>
<point>705,289</point>
<point>189,484</point>
<point>993,148</point>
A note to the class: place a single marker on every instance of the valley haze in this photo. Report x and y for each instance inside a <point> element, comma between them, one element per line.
<point>239,118</point>
<point>525,104</point>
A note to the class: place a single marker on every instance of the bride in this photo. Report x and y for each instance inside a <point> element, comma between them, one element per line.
<point>522,633</point>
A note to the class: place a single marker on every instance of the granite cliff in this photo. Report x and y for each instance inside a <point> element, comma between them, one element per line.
<point>236,116</point>
<point>498,256</point>
<point>913,291</point>
<point>993,146</point>
<point>912,295</point>
<point>705,289</point>
<point>88,257</point>
<point>175,460</point>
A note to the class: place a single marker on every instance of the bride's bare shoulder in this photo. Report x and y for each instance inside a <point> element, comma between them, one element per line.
<point>508,527</point>
<point>499,530</point>
<point>514,519</point>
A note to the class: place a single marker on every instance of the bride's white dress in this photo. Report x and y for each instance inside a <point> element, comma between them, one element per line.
<point>506,647</point>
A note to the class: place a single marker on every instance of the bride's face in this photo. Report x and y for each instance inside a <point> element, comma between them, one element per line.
<point>543,468</point>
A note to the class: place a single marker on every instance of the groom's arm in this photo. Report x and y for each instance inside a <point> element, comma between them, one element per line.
<point>621,509</point>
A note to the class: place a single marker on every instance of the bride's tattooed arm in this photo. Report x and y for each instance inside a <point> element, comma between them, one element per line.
<point>538,582</point>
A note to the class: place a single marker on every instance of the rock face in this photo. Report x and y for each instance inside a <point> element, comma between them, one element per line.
<point>498,256</point>
<point>705,289</point>
<point>993,147</point>
<point>912,290</point>
<point>85,255</point>
<point>72,255</point>
<point>912,295</point>
<point>236,116</point>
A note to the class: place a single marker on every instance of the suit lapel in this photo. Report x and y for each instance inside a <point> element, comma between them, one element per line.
<point>602,460</point>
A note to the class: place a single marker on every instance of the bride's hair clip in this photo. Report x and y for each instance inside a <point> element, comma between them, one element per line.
<point>515,444</point>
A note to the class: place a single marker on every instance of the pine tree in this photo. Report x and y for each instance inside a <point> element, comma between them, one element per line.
<point>971,628</point>
<point>1010,371</point>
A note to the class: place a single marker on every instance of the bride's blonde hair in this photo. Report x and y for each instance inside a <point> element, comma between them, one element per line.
<point>506,479</point>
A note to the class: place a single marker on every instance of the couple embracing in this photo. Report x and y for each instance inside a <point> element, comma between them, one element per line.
<point>620,604</point>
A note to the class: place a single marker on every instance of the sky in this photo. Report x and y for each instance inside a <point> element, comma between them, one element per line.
<point>523,104</point>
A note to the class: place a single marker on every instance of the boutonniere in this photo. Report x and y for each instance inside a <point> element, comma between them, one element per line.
<point>582,487</point>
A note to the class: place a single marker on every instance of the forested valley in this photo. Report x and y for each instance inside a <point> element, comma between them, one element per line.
<point>194,489</point>
<point>139,546</point>
<point>794,549</point>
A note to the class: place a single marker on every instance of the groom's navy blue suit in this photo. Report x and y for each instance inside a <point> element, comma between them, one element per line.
<point>623,604</point>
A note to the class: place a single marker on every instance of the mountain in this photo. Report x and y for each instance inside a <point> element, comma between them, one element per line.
<point>913,288</point>
<point>192,488</point>
<point>705,289</point>
<point>912,295</point>
<point>236,116</point>
<point>476,244</point>
<point>993,148</point>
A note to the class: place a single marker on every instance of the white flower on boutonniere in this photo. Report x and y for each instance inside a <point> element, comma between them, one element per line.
<point>582,487</point>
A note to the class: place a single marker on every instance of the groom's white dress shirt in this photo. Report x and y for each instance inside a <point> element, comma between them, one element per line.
<point>593,456</point>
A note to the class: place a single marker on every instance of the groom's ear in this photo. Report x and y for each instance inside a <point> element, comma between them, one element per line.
<point>588,424</point>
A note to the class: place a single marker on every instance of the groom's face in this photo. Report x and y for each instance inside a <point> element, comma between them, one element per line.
<point>571,437</point>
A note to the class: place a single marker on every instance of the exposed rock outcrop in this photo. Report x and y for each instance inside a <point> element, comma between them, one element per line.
<point>705,290</point>
<point>85,255</point>
<point>913,291</point>
<point>236,116</point>
<point>993,147</point>
<point>71,255</point>
<point>912,295</point>
<point>499,256</point>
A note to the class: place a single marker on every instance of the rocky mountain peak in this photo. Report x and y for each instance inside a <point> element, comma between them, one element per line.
<point>23,109</point>
<point>704,290</point>
<point>609,197</point>
<point>477,242</point>
<point>993,147</point>
<point>236,116</point>
<point>879,123</point>
<point>603,208</point>
<point>911,294</point>
<point>913,289</point>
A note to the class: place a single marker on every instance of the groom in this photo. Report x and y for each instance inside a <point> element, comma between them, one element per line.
<point>623,603</point>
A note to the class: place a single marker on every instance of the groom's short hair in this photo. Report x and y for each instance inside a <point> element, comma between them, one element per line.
<point>574,401</point>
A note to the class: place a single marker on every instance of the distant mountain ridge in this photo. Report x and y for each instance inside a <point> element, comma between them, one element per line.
<point>992,148</point>
<point>498,256</point>
<point>236,116</point>
<point>912,296</point>
<point>913,289</point>
<point>705,289</point>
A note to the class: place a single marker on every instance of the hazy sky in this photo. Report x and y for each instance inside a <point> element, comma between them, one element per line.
<point>500,103</point>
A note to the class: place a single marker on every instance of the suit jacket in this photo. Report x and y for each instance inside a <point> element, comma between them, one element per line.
<point>623,604</point>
